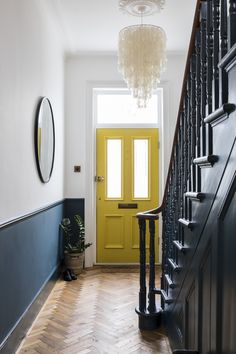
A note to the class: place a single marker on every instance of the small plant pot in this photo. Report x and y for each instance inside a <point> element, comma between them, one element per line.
<point>74,261</point>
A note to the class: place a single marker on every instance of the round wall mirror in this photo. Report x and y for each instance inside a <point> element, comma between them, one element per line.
<point>45,139</point>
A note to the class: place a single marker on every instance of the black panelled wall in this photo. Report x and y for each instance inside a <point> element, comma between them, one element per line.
<point>30,255</point>
<point>201,311</point>
<point>198,285</point>
<point>74,206</point>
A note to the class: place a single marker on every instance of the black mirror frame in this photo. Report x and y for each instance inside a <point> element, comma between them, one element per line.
<point>43,99</point>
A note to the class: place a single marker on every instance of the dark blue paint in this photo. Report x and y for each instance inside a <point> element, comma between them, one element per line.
<point>74,206</point>
<point>30,252</point>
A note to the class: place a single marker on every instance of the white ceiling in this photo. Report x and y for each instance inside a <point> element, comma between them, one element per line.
<point>93,25</point>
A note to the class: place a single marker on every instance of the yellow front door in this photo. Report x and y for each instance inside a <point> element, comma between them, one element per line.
<point>127,183</point>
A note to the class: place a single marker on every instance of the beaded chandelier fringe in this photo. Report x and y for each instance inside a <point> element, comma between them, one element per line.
<point>142,59</point>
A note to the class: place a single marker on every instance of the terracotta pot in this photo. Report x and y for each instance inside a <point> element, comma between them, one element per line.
<point>74,261</point>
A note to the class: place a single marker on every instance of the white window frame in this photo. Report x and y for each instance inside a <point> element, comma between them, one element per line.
<point>124,91</point>
<point>91,125</point>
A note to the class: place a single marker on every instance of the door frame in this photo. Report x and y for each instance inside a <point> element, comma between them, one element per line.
<point>90,155</point>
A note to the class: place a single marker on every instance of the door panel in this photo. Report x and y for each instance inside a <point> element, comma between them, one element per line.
<point>191,317</point>
<point>127,166</point>
<point>114,231</point>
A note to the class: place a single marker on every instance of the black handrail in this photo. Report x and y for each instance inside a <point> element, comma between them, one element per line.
<point>150,214</point>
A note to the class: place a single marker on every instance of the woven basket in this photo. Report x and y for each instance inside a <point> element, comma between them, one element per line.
<point>74,261</point>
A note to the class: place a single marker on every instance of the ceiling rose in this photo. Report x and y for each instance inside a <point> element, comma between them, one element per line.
<point>141,7</point>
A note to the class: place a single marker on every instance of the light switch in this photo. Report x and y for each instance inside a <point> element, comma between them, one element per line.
<point>77,168</point>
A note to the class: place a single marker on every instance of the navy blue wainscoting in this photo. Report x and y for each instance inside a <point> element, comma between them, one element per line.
<point>30,254</point>
<point>74,206</point>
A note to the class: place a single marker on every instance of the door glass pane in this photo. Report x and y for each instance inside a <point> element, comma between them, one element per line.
<point>119,107</point>
<point>141,168</point>
<point>114,179</point>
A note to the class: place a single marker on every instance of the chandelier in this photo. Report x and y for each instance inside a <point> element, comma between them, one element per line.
<point>142,50</point>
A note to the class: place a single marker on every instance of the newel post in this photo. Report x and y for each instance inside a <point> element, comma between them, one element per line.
<point>149,316</point>
<point>142,250</point>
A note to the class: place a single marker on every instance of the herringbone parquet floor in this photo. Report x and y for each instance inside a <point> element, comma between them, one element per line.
<point>93,314</point>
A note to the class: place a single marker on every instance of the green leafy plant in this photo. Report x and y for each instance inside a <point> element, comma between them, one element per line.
<point>74,236</point>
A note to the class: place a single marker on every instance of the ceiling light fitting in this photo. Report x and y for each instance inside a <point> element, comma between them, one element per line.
<point>135,7</point>
<point>142,50</point>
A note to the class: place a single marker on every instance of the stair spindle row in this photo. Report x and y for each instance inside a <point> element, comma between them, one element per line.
<point>205,91</point>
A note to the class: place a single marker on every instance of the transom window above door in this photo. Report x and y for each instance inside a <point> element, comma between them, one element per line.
<point>118,107</point>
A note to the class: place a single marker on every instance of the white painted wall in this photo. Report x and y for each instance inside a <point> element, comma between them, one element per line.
<point>31,65</point>
<point>81,73</point>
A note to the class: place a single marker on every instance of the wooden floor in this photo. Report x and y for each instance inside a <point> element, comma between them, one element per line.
<point>93,314</point>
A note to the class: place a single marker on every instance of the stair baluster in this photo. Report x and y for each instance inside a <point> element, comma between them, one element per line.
<point>151,294</point>
<point>142,246</point>
<point>232,23</point>
<point>223,51</point>
<point>203,77</point>
<point>198,107</point>
<point>193,119</point>
<point>209,53</point>
<point>216,49</point>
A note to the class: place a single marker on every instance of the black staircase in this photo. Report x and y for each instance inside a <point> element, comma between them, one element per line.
<point>198,283</point>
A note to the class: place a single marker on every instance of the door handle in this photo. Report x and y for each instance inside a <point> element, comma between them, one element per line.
<point>99,178</point>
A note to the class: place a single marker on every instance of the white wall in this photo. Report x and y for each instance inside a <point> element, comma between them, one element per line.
<point>31,66</point>
<point>81,74</point>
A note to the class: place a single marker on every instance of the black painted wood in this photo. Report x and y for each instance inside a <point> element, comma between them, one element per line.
<point>201,278</point>
<point>227,223</point>
<point>142,247</point>
<point>223,77</point>
<point>186,223</point>
<point>198,107</point>
<point>198,209</point>
<point>195,196</point>
<point>209,45</point>
<point>203,77</point>
<point>190,316</point>
<point>198,92</point>
<point>193,169</point>
<point>151,294</point>
<point>216,51</point>
<point>167,300</point>
<point>180,246</point>
<point>149,316</point>
<point>220,114</point>
<point>232,22</point>
<point>174,265</point>
<point>206,161</point>
<point>169,281</point>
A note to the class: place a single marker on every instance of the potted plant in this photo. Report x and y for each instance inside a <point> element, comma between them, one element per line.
<point>74,243</point>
